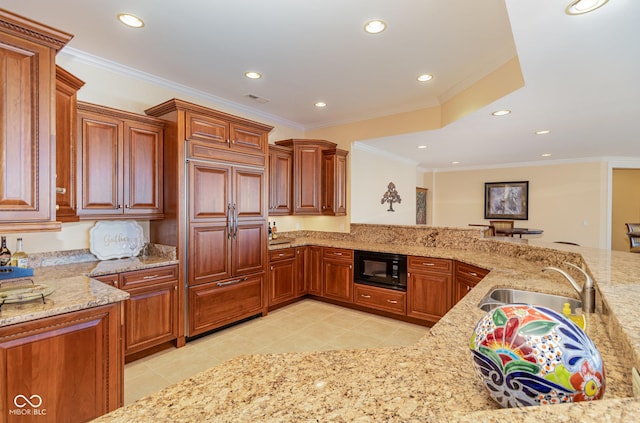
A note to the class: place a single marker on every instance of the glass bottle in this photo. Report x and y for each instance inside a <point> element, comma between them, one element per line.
<point>19,257</point>
<point>5,254</point>
<point>274,231</point>
<point>270,232</point>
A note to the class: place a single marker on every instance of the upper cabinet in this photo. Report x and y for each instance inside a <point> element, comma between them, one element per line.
<point>280,174</point>
<point>27,119</point>
<point>319,177</point>
<point>67,87</point>
<point>119,164</point>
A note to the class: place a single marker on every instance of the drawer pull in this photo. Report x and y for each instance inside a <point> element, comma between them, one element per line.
<point>281,255</point>
<point>473,273</point>
<point>428,264</point>
<point>365,296</point>
<point>337,254</point>
<point>468,288</point>
<point>232,282</point>
<point>150,277</point>
<point>392,301</point>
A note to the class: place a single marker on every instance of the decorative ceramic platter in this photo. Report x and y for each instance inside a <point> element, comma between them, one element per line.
<point>24,293</point>
<point>111,240</point>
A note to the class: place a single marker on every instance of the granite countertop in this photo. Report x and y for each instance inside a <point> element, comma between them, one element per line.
<point>74,288</point>
<point>432,380</point>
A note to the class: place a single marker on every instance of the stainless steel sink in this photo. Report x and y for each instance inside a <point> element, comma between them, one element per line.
<point>501,296</point>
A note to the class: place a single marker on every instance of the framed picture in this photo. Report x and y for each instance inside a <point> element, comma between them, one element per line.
<point>506,200</point>
<point>421,206</point>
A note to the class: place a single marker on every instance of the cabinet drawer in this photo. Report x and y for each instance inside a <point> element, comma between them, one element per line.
<point>469,272</point>
<point>207,128</point>
<point>108,279</point>
<point>284,254</point>
<point>380,298</point>
<point>148,276</point>
<point>337,253</point>
<point>428,264</point>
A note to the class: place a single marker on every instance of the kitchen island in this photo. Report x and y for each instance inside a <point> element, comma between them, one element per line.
<point>432,380</point>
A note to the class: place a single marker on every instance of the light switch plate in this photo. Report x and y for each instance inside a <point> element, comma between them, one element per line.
<point>635,377</point>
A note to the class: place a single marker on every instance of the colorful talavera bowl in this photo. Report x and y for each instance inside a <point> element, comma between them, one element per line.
<point>531,355</point>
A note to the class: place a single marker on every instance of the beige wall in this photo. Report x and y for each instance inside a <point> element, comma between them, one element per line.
<point>567,201</point>
<point>625,205</point>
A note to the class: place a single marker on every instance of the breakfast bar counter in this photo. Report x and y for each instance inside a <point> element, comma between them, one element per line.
<point>433,380</point>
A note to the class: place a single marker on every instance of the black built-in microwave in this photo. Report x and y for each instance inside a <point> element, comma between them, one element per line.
<point>384,270</point>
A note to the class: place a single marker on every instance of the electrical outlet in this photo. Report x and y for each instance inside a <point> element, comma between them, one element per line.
<point>635,378</point>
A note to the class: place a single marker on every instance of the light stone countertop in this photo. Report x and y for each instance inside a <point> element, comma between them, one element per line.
<point>74,288</point>
<point>432,380</point>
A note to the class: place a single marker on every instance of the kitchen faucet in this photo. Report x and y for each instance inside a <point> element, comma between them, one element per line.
<point>587,291</point>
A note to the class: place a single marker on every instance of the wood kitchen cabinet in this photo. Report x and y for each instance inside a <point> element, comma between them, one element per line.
<point>27,119</point>
<point>313,271</point>
<point>429,287</point>
<point>337,265</point>
<point>67,87</point>
<point>280,180</point>
<point>215,211</point>
<point>73,362</point>
<point>383,299</point>
<point>120,157</point>
<point>151,312</point>
<point>301,271</point>
<point>310,180</point>
<point>282,275</point>
<point>466,276</point>
<point>334,182</point>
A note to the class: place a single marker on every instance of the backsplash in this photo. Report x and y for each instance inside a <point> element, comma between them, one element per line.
<point>56,258</point>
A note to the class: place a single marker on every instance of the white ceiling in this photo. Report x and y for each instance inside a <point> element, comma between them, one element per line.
<point>580,71</point>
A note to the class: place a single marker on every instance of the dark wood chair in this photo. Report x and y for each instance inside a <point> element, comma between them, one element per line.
<point>633,231</point>
<point>500,225</point>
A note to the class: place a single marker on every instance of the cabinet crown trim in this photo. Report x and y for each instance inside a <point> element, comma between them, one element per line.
<point>120,114</point>
<point>31,30</point>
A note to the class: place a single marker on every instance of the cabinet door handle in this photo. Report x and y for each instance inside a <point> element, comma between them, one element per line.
<point>150,277</point>
<point>235,281</point>
<point>229,221</point>
<point>392,301</point>
<point>468,288</point>
<point>61,190</point>
<point>119,206</point>
<point>271,267</point>
<point>126,206</point>
<point>235,221</point>
<point>365,296</point>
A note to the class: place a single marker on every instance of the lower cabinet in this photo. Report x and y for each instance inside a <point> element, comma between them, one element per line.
<point>313,271</point>
<point>218,303</point>
<point>429,282</point>
<point>282,275</point>
<point>151,312</point>
<point>337,266</point>
<point>301,271</point>
<point>380,298</point>
<point>66,368</point>
<point>466,276</point>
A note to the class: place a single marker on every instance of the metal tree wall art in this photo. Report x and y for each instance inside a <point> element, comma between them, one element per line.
<point>391,196</point>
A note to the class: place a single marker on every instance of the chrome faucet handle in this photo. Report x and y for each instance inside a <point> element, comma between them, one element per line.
<point>567,277</point>
<point>589,281</point>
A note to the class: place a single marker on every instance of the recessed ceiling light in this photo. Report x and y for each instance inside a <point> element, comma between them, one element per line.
<point>501,112</point>
<point>321,104</point>
<point>375,26</point>
<point>253,75</point>
<point>424,77</point>
<point>546,155</point>
<point>130,20</point>
<point>578,7</point>
<point>543,132</point>
<point>454,163</point>
<point>422,146</point>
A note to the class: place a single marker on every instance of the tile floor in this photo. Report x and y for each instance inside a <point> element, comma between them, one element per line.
<point>307,325</point>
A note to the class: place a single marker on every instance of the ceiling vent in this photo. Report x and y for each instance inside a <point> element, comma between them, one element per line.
<point>257,98</point>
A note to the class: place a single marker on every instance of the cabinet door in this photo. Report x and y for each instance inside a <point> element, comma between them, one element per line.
<point>142,168</point>
<point>209,192</point>
<point>247,139</point>
<point>301,271</point>
<point>100,172</point>
<point>67,86</point>
<point>209,252</point>
<point>282,280</point>
<point>249,247</point>
<point>334,182</point>
<point>70,366</point>
<point>249,194</point>
<point>467,276</point>
<point>207,128</point>
<point>219,303</point>
<point>428,295</point>
<point>338,279</point>
<point>307,179</point>
<point>151,316</point>
<point>280,180</point>
<point>313,270</point>
<point>26,135</point>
